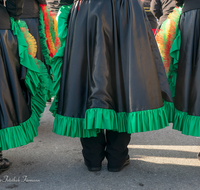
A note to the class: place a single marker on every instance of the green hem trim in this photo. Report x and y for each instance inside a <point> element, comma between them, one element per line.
<point>98,118</point>
<point>37,81</point>
<point>20,135</point>
<point>57,60</point>
<point>187,124</point>
<point>169,108</point>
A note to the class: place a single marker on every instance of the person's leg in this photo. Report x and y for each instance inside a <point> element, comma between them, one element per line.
<point>117,151</point>
<point>4,163</point>
<point>94,151</point>
<point>198,155</point>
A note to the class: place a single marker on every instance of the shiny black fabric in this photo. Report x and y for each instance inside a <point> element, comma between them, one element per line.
<point>14,8</point>
<point>14,98</point>
<point>191,5</point>
<point>33,24</point>
<point>111,60</point>
<point>187,96</point>
<point>4,18</point>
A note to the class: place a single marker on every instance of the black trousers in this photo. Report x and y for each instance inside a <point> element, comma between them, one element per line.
<point>111,144</point>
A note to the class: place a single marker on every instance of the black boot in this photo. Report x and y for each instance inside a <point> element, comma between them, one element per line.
<point>94,151</point>
<point>198,155</point>
<point>4,163</point>
<point>117,151</point>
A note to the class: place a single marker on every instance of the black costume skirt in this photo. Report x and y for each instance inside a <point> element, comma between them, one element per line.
<point>14,97</point>
<point>15,110</point>
<point>187,95</point>
<point>112,71</point>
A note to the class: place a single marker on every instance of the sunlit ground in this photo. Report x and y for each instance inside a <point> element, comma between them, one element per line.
<point>192,161</point>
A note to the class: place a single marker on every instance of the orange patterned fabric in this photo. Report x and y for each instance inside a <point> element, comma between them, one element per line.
<point>53,47</point>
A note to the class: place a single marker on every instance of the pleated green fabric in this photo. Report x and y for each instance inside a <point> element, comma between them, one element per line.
<point>98,118</point>
<point>169,108</point>
<point>174,53</point>
<point>187,124</point>
<point>57,60</point>
<point>37,81</point>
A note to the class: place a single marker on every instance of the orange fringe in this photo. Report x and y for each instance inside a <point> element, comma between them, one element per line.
<point>57,40</point>
<point>50,44</point>
<point>30,41</point>
<point>165,37</point>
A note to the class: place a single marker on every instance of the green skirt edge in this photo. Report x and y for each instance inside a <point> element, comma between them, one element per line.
<point>20,135</point>
<point>38,84</point>
<point>169,108</point>
<point>98,118</point>
<point>187,124</point>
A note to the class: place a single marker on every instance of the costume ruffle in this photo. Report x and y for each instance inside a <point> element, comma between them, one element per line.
<point>166,35</point>
<point>174,53</point>
<point>187,124</point>
<point>169,46</point>
<point>49,29</point>
<point>187,121</point>
<point>37,81</point>
<point>57,60</point>
<point>97,118</point>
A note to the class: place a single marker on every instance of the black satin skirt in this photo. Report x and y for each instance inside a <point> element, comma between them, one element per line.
<point>111,60</point>
<point>187,96</point>
<point>14,97</point>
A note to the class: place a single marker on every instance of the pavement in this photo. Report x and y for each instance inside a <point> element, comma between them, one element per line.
<point>160,160</point>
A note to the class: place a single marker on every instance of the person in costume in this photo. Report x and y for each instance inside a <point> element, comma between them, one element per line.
<point>4,26</point>
<point>31,17</point>
<point>43,26</point>
<point>24,81</point>
<point>180,36</point>
<point>111,79</point>
<point>187,92</point>
<point>152,19</point>
<point>161,9</point>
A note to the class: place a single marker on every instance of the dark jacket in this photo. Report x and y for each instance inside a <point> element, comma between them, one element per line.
<point>152,19</point>
<point>162,8</point>
<point>14,8</point>
<point>191,5</point>
<point>31,9</point>
<point>4,18</point>
<point>66,2</point>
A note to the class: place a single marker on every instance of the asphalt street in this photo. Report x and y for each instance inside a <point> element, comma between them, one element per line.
<point>160,160</point>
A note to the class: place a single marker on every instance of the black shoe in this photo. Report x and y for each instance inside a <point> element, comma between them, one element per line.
<point>198,155</point>
<point>4,165</point>
<point>118,169</point>
<point>93,169</point>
